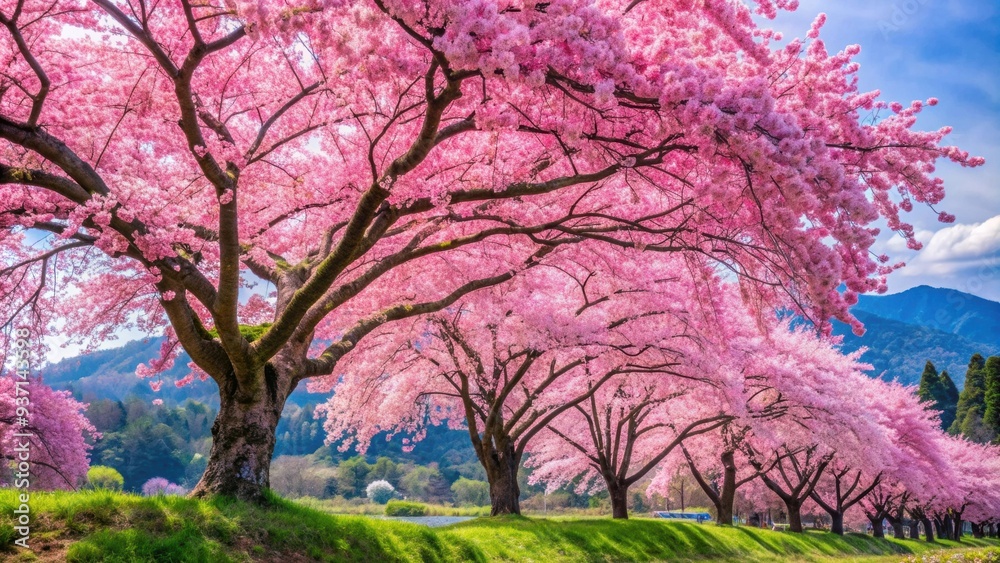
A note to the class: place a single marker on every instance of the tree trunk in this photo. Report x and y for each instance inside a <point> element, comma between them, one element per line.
<point>958,529</point>
<point>949,528</point>
<point>619,499</point>
<point>878,529</point>
<point>727,497</point>
<point>794,516</point>
<point>897,527</point>
<point>501,471</point>
<point>928,529</point>
<point>837,522</point>
<point>914,530</point>
<point>243,438</point>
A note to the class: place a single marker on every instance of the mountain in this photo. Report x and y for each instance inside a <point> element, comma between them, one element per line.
<point>898,350</point>
<point>905,329</point>
<point>946,310</point>
<point>110,374</point>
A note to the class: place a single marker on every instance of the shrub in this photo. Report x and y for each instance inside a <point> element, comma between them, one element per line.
<point>405,508</point>
<point>104,477</point>
<point>160,486</point>
<point>471,492</point>
<point>380,491</point>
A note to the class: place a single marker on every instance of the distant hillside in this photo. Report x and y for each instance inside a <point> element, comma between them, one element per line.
<point>947,310</point>
<point>898,350</point>
<point>110,374</point>
<point>904,330</point>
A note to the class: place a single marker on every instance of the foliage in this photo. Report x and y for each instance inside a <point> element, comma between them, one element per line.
<point>971,407</point>
<point>160,486</point>
<point>469,492</point>
<point>405,508</point>
<point>991,375</point>
<point>57,428</point>
<point>103,477</point>
<point>148,441</point>
<point>380,491</point>
<point>940,393</point>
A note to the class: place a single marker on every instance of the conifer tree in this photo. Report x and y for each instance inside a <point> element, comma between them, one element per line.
<point>949,400</point>
<point>972,403</point>
<point>931,390</point>
<point>991,377</point>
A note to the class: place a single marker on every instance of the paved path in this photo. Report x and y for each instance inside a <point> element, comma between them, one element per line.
<point>432,521</point>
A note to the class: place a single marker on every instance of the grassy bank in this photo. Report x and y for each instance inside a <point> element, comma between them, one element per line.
<point>102,526</point>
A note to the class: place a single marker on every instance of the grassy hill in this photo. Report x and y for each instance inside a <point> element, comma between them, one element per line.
<point>113,527</point>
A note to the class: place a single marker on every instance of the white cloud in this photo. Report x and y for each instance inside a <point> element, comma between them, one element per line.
<point>965,257</point>
<point>960,243</point>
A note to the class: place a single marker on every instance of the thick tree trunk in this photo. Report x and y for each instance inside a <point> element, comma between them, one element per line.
<point>837,522</point>
<point>928,529</point>
<point>914,530</point>
<point>727,497</point>
<point>897,527</point>
<point>619,499</point>
<point>243,438</point>
<point>794,516</point>
<point>977,530</point>
<point>878,529</point>
<point>501,472</point>
<point>939,526</point>
<point>949,528</point>
<point>957,531</point>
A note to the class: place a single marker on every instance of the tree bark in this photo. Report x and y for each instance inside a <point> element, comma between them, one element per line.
<point>501,466</point>
<point>837,522</point>
<point>727,497</point>
<point>243,437</point>
<point>897,527</point>
<point>928,529</point>
<point>878,530</point>
<point>914,529</point>
<point>723,499</point>
<point>619,499</point>
<point>794,510</point>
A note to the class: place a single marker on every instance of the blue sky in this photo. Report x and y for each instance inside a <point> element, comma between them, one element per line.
<point>948,49</point>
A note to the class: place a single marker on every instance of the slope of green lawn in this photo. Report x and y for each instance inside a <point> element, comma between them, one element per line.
<point>103,526</point>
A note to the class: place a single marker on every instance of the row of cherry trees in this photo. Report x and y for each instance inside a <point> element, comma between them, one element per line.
<point>281,186</point>
<point>597,377</point>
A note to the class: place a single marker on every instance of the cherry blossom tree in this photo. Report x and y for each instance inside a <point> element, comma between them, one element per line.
<point>509,361</point>
<point>56,428</point>
<point>718,465</point>
<point>795,407</point>
<point>360,164</point>
<point>621,433</point>
<point>882,504</point>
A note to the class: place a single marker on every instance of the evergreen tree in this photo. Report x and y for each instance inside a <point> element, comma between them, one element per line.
<point>991,376</point>
<point>971,402</point>
<point>931,390</point>
<point>949,400</point>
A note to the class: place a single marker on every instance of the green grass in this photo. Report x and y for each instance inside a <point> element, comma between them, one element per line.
<point>114,527</point>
